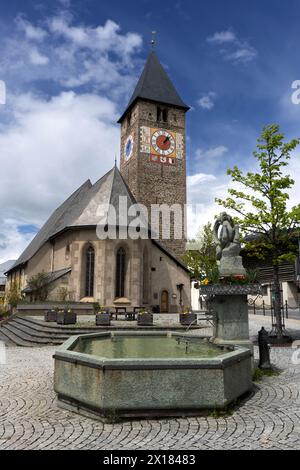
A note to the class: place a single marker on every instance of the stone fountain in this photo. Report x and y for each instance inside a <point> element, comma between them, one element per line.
<point>229,301</point>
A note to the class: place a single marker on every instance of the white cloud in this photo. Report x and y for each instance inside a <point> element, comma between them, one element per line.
<point>222,37</point>
<point>207,101</point>
<point>72,55</point>
<point>37,58</point>
<point>51,147</point>
<point>233,49</point>
<point>244,54</point>
<point>53,144</point>
<point>12,241</point>
<point>32,32</point>
<point>202,191</point>
<point>214,152</point>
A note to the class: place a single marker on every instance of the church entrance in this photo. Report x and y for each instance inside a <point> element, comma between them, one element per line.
<point>164,302</point>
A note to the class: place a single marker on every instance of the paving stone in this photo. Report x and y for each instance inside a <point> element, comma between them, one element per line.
<point>30,418</point>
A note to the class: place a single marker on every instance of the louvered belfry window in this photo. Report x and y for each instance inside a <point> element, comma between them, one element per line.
<point>90,272</point>
<point>120,273</point>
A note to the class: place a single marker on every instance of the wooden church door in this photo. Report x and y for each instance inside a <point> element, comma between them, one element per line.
<point>164,304</point>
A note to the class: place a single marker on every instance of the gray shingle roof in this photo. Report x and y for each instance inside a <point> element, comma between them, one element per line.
<point>155,85</point>
<point>51,278</point>
<point>81,210</point>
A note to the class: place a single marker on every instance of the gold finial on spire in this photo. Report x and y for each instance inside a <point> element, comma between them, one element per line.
<point>153,40</point>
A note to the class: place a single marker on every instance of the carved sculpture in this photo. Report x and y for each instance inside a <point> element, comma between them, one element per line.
<point>227,239</point>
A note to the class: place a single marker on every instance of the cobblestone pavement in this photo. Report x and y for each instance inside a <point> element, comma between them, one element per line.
<point>30,419</point>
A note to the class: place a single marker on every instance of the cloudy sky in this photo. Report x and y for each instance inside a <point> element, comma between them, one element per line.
<point>71,65</point>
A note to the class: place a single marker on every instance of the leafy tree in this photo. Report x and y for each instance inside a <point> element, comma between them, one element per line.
<point>13,295</point>
<point>39,286</point>
<point>201,259</point>
<point>260,203</point>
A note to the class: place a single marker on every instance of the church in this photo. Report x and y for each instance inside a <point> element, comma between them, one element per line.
<point>121,271</point>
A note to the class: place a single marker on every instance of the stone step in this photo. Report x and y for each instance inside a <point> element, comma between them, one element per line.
<point>39,333</point>
<point>53,328</point>
<point>30,338</point>
<point>43,331</point>
<point>16,340</point>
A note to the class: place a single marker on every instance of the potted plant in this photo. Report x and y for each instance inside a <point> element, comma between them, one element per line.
<point>66,317</point>
<point>103,317</point>
<point>50,315</point>
<point>144,318</point>
<point>187,317</point>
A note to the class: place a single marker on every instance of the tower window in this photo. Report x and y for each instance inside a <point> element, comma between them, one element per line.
<point>162,114</point>
<point>90,272</point>
<point>159,114</point>
<point>68,251</point>
<point>120,273</point>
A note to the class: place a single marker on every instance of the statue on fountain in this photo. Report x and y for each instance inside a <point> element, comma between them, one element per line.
<point>227,239</point>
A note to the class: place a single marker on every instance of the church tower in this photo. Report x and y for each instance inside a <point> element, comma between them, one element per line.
<point>153,146</point>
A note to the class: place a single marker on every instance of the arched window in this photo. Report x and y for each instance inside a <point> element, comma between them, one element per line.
<point>89,272</point>
<point>68,251</point>
<point>120,273</point>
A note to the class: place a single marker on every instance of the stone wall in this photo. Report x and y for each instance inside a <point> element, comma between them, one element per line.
<point>155,183</point>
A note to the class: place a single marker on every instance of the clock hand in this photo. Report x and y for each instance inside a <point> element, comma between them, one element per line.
<point>167,140</point>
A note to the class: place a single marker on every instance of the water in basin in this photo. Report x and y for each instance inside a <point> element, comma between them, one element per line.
<point>141,347</point>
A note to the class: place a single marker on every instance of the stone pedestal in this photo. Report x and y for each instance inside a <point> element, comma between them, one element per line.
<point>230,307</point>
<point>232,323</point>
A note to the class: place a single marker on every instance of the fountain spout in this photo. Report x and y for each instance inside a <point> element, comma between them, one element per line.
<point>191,324</point>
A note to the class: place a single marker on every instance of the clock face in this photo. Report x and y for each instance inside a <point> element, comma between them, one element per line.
<point>163,142</point>
<point>128,148</point>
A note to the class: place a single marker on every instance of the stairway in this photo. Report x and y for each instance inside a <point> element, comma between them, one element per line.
<point>26,331</point>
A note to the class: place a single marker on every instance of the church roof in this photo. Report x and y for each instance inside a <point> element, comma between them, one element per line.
<point>51,277</point>
<point>155,85</point>
<point>81,210</point>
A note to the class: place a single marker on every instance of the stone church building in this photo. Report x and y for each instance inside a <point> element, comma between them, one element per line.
<point>140,272</point>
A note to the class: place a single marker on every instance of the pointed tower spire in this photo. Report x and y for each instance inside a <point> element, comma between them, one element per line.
<point>155,85</point>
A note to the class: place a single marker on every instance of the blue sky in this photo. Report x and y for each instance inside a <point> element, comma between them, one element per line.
<point>71,65</point>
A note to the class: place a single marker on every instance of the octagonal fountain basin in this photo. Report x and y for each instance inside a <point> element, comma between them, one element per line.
<point>148,374</point>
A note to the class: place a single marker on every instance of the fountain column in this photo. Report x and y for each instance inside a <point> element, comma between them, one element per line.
<point>228,301</point>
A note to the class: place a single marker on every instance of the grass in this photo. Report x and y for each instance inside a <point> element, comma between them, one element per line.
<point>259,374</point>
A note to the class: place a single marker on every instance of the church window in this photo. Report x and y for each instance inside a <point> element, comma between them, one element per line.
<point>120,273</point>
<point>90,272</point>
<point>68,252</point>
<point>165,115</point>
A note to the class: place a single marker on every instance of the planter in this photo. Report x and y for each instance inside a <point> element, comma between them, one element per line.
<point>231,289</point>
<point>66,318</point>
<point>188,318</point>
<point>103,319</point>
<point>145,319</point>
<point>50,316</point>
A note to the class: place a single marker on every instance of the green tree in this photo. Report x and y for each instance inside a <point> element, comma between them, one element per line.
<point>39,285</point>
<point>201,258</point>
<point>13,295</point>
<point>260,202</point>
